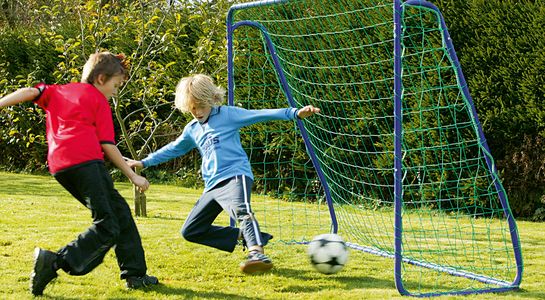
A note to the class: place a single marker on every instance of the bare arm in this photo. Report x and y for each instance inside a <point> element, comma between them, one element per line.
<point>116,158</point>
<point>20,95</point>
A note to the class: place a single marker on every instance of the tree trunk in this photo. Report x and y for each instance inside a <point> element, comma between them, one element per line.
<point>139,202</point>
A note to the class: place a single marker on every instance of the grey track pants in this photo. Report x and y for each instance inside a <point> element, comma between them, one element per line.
<point>233,196</point>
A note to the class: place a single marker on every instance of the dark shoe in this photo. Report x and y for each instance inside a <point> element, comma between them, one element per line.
<point>256,262</point>
<point>141,282</point>
<point>43,271</point>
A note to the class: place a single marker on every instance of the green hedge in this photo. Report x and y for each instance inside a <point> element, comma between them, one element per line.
<point>499,43</point>
<point>502,52</point>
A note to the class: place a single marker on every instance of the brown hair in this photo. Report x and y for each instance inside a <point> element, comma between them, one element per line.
<point>104,63</point>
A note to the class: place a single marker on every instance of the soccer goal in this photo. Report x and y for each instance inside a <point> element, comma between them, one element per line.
<point>396,162</point>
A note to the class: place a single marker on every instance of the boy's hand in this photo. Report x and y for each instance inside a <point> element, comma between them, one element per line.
<point>141,182</point>
<point>307,111</point>
<point>134,163</point>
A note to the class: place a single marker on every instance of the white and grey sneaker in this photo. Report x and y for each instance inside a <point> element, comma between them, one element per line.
<point>256,262</point>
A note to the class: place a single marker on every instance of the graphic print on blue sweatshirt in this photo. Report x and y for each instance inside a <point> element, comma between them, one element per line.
<point>211,143</point>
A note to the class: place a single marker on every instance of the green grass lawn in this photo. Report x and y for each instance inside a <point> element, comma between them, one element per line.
<point>37,211</point>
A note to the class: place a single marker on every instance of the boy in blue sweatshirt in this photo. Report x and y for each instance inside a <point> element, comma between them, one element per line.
<point>225,167</point>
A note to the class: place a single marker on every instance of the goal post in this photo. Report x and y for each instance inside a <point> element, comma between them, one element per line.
<point>396,162</point>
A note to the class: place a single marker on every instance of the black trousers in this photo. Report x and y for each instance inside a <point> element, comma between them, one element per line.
<point>113,224</point>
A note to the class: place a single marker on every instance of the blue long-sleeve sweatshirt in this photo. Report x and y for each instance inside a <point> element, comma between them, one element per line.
<point>218,141</point>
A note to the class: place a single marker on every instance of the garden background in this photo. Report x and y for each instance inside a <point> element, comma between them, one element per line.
<point>499,44</point>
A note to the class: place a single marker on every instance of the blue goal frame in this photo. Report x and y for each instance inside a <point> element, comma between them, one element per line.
<point>398,8</point>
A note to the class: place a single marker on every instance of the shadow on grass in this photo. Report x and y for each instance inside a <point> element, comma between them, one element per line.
<point>366,282</point>
<point>160,217</point>
<point>349,282</point>
<point>176,293</point>
<point>523,293</point>
<point>189,294</point>
<point>35,186</point>
<point>46,296</point>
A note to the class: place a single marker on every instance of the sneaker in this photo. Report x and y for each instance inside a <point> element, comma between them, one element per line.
<point>141,282</point>
<point>256,262</point>
<point>43,271</point>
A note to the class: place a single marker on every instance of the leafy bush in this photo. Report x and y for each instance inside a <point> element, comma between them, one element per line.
<point>499,44</point>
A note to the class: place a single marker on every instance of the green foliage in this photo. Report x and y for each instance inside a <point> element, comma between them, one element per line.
<point>22,138</point>
<point>163,43</point>
<point>499,43</point>
<point>524,182</point>
<point>25,59</point>
<point>501,49</point>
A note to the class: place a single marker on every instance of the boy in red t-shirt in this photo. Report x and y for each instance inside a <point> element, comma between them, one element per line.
<point>80,132</point>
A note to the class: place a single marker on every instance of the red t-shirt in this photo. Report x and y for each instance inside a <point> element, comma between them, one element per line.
<point>78,120</point>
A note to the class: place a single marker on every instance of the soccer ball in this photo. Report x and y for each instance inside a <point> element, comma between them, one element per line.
<point>328,253</point>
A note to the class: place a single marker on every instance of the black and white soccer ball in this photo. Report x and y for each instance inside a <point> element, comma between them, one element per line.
<point>328,253</point>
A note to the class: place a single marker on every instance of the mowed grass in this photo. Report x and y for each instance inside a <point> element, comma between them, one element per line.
<point>37,211</point>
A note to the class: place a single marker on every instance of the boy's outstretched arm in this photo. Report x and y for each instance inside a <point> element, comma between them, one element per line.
<point>307,111</point>
<point>134,163</point>
<point>20,95</point>
<point>113,154</point>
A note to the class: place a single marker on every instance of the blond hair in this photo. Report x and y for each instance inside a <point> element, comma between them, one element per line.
<point>199,89</point>
<point>104,63</point>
